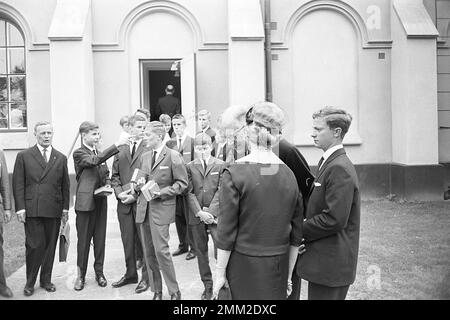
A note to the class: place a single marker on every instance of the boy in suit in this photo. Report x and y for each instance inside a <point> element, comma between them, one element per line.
<point>331,227</point>
<point>167,169</point>
<point>125,162</point>
<point>204,120</point>
<point>41,193</point>
<point>91,173</point>
<point>203,199</point>
<point>184,144</point>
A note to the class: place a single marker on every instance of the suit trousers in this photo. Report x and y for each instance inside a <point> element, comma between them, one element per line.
<point>128,233</point>
<point>161,237</point>
<point>2,271</point>
<point>320,292</point>
<point>41,236</point>
<point>153,278</point>
<point>258,278</point>
<point>200,242</point>
<point>181,223</point>
<point>91,225</point>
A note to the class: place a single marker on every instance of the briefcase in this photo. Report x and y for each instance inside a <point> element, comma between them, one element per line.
<point>64,242</point>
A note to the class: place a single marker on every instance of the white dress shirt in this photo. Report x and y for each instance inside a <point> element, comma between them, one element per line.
<point>48,152</point>
<point>329,152</point>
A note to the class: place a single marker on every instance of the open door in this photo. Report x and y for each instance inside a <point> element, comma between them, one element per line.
<point>189,92</point>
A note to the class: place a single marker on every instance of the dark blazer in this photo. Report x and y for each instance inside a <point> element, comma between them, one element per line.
<point>5,196</point>
<point>210,132</point>
<point>187,149</point>
<point>169,105</point>
<point>91,173</point>
<point>290,155</point>
<point>260,214</point>
<point>331,228</point>
<point>42,189</point>
<point>203,186</point>
<point>122,171</point>
<point>169,172</point>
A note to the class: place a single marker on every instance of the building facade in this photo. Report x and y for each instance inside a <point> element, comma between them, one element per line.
<point>386,61</point>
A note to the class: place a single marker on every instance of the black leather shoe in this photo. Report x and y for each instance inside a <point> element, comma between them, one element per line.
<point>124,281</point>
<point>207,294</point>
<point>28,291</point>
<point>79,284</point>
<point>6,292</point>
<point>179,251</point>
<point>101,280</point>
<point>157,296</point>
<point>142,286</point>
<point>191,255</point>
<point>49,287</point>
<point>175,296</point>
<point>139,264</point>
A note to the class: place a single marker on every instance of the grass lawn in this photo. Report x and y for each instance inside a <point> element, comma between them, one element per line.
<point>404,251</point>
<point>14,245</point>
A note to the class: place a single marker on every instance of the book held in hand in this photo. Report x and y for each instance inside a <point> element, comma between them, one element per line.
<point>137,175</point>
<point>150,190</point>
<point>103,191</point>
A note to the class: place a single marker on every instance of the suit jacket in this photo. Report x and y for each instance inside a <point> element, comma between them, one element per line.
<point>5,197</point>
<point>122,171</point>
<point>210,132</point>
<point>203,186</point>
<point>290,155</point>
<point>42,189</point>
<point>187,149</point>
<point>331,228</point>
<point>91,173</point>
<point>169,105</point>
<point>169,172</point>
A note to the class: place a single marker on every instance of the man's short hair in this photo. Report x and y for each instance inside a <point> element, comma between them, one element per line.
<point>335,118</point>
<point>179,117</point>
<point>124,120</point>
<point>87,126</point>
<point>165,118</point>
<point>204,112</point>
<point>137,117</point>
<point>170,89</point>
<point>202,139</point>
<point>143,111</point>
<point>157,128</point>
<point>41,123</point>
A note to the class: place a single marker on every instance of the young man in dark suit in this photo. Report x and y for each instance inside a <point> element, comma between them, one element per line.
<point>184,144</point>
<point>331,227</point>
<point>41,193</point>
<point>125,162</point>
<point>91,173</point>
<point>203,199</point>
<point>168,104</point>
<point>167,169</point>
<point>204,121</point>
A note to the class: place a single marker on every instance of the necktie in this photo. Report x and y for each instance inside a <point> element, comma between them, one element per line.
<point>320,163</point>
<point>95,152</point>
<point>179,145</point>
<point>44,154</point>
<point>204,165</point>
<point>153,158</point>
<point>133,151</point>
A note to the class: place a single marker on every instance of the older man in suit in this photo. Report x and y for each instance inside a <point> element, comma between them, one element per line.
<point>331,227</point>
<point>125,163</point>
<point>91,173</point>
<point>184,144</point>
<point>203,199</point>
<point>41,193</point>
<point>166,168</point>
<point>168,104</point>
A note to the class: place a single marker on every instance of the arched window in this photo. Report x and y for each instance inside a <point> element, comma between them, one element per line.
<point>13,100</point>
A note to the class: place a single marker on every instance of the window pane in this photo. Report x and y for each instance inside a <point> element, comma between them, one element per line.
<point>18,116</point>
<point>17,88</point>
<point>3,116</point>
<point>2,33</point>
<point>3,89</point>
<point>14,36</point>
<point>2,60</point>
<point>16,60</point>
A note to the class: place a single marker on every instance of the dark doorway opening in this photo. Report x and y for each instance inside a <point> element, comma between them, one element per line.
<point>157,83</point>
